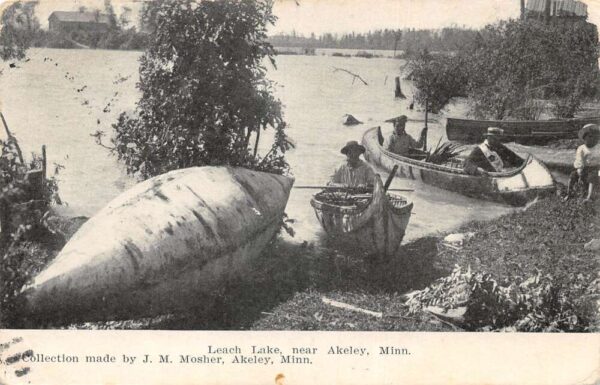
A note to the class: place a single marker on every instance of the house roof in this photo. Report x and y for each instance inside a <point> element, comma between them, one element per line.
<point>81,17</point>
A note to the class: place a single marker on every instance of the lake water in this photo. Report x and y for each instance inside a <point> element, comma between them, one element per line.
<point>60,97</point>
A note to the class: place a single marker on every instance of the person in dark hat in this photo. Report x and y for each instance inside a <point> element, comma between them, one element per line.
<point>491,155</point>
<point>587,162</point>
<point>354,172</point>
<point>400,142</point>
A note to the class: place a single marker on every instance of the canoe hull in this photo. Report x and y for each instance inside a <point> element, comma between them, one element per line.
<point>377,229</point>
<point>162,246</point>
<point>524,132</point>
<point>517,188</point>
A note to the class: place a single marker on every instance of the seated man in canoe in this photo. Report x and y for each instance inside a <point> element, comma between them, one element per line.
<point>400,142</point>
<point>491,155</point>
<point>354,172</point>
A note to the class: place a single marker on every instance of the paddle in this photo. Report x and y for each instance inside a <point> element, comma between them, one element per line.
<point>388,182</point>
<point>380,137</point>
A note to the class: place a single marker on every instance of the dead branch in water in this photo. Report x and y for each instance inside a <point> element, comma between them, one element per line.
<point>98,137</point>
<point>354,76</point>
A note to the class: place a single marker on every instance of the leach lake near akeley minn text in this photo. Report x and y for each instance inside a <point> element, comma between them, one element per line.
<point>262,355</point>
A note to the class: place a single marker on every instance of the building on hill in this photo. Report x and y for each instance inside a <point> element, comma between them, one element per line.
<point>60,21</point>
<point>555,9</point>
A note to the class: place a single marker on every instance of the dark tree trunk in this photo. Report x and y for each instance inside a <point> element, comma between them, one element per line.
<point>257,140</point>
<point>398,91</point>
<point>547,11</point>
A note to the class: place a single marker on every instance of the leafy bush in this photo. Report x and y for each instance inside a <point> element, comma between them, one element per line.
<point>24,196</point>
<point>18,26</point>
<point>437,79</point>
<point>532,304</point>
<point>555,60</point>
<point>18,265</point>
<point>52,40</point>
<point>25,200</point>
<point>204,91</point>
<point>511,66</point>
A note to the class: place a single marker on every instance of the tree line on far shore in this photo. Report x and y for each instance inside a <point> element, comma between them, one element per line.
<point>514,69</point>
<point>405,40</point>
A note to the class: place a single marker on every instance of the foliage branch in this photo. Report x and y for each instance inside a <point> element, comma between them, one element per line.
<point>205,96</point>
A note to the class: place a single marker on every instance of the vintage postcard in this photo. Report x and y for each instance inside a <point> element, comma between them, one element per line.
<point>299,192</point>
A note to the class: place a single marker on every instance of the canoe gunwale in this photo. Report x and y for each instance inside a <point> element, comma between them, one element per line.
<point>346,210</point>
<point>524,123</point>
<point>521,131</point>
<point>379,197</point>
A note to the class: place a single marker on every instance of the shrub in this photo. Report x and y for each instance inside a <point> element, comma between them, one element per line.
<point>437,79</point>
<point>533,304</point>
<point>510,66</point>
<point>204,91</point>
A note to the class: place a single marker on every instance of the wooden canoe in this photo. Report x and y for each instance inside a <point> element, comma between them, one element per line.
<point>161,246</point>
<point>514,187</point>
<point>375,227</point>
<point>520,131</point>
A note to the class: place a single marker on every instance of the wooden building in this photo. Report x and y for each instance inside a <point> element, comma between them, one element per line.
<point>60,21</point>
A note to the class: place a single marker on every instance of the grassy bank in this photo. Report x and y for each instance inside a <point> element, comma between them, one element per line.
<point>288,283</point>
<point>546,241</point>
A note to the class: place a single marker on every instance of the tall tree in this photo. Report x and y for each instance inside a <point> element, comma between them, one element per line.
<point>437,79</point>
<point>110,12</point>
<point>204,90</point>
<point>19,26</point>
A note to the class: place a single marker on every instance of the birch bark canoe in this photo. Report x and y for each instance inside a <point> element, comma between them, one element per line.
<point>520,131</point>
<point>162,246</point>
<point>515,187</point>
<point>377,227</point>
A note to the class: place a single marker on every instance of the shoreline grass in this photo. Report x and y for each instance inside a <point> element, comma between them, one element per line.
<point>284,290</point>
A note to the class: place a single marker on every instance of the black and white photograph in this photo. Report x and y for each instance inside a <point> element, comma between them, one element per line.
<point>300,165</point>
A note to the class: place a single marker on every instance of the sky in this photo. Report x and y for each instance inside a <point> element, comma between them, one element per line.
<point>341,16</point>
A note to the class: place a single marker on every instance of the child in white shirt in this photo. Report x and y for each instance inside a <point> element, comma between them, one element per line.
<point>587,161</point>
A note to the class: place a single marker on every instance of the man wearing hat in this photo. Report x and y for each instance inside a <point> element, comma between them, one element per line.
<point>587,161</point>
<point>400,142</point>
<point>491,155</point>
<point>354,172</point>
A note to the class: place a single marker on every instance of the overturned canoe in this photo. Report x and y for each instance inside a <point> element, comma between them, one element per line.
<point>514,187</point>
<point>520,131</point>
<point>162,245</point>
<point>374,226</point>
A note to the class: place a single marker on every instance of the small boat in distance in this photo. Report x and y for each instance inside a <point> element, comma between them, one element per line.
<point>515,187</point>
<point>162,246</point>
<point>372,222</point>
<point>520,131</point>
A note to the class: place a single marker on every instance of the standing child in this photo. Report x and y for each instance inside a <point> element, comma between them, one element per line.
<point>587,161</point>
